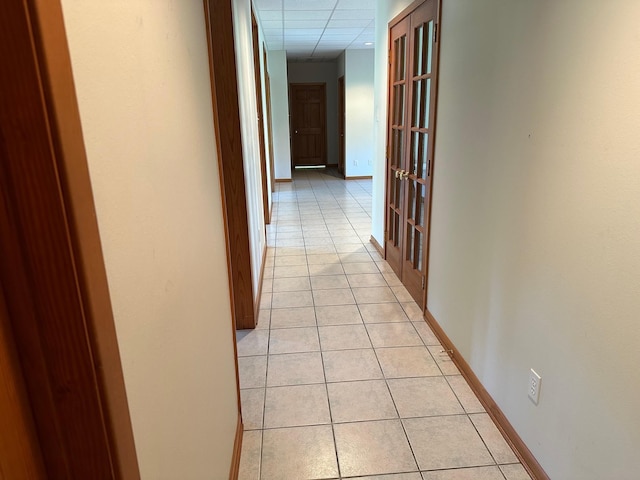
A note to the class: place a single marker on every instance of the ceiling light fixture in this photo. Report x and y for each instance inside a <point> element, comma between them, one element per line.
<point>368,44</point>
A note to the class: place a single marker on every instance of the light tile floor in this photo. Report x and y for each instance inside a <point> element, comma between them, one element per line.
<point>342,378</point>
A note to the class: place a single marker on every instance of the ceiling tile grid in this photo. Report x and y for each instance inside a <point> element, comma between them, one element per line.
<point>316,29</point>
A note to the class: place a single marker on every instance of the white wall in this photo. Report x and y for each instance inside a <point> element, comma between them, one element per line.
<point>535,253</point>
<point>142,79</point>
<point>359,113</point>
<point>385,11</point>
<point>249,130</point>
<point>322,72</point>
<point>277,60</point>
<point>264,68</point>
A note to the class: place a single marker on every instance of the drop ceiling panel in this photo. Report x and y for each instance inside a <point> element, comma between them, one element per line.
<point>309,4</point>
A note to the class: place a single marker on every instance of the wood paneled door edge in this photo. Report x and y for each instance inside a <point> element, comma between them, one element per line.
<point>237,450</point>
<point>509,433</point>
<point>226,117</point>
<point>52,268</point>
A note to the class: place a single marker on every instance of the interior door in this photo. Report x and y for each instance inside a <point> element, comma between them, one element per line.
<point>341,125</point>
<point>308,124</point>
<point>412,94</point>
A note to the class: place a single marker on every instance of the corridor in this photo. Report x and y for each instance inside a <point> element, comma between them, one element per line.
<point>342,378</point>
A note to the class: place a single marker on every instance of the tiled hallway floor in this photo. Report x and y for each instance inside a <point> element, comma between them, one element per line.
<point>342,377</point>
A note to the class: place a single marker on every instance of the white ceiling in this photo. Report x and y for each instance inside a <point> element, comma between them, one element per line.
<point>316,29</point>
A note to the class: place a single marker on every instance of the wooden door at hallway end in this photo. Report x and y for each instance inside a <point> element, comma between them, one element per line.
<point>410,144</point>
<point>308,124</point>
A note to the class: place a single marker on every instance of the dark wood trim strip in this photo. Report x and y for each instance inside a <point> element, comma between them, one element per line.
<point>283,180</point>
<point>257,300</point>
<point>377,245</point>
<point>59,310</point>
<point>508,432</point>
<point>237,450</point>
<point>406,11</point>
<point>361,177</point>
<point>226,115</point>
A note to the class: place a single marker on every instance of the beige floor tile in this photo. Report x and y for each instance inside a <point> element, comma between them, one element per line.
<point>296,406</point>
<point>515,472</point>
<point>333,297</point>
<point>316,241</point>
<point>349,365</point>
<point>327,269</point>
<point>382,312</point>
<point>299,453</point>
<point>343,337</point>
<point>395,476</point>
<point>402,294</point>
<point>319,250</point>
<point>265,300</point>
<point>252,400</point>
<point>290,242</point>
<point>290,260</point>
<point>338,315</point>
<point>294,340</point>
<point>467,398</point>
<point>399,362</point>
<point>295,369</point>
<point>351,247</point>
<point>264,319</point>
<point>373,448</point>
<point>250,455</point>
<point>325,282</point>
<point>413,311</point>
<point>392,279</point>
<point>293,317</point>
<point>267,283</point>
<point>423,397</point>
<point>493,439</point>
<point>393,335</point>
<point>425,332</point>
<point>289,299</point>
<point>374,295</point>
<point>384,266</point>
<point>443,360</point>
<point>295,271</point>
<point>285,251</point>
<point>252,342</point>
<point>323,259</point>
<point>360,401</point>
<point>252,371</point>
<point>360,268</point>
<point>268,272</point>
<point>446,442</point>
<point>473,473</point>
<point>291,284</point>
<point>366,280</point>
<point>354,257</point>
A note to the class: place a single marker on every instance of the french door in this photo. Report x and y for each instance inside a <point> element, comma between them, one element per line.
<point>410,142</point>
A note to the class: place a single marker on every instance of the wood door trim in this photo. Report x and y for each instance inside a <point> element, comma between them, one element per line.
<point>53,270</point>
<point>226,116</point>
<point>267,79</point>
<point>237,451</point>
<point>342,141</point>
<point>508,432</point>
<point>261,137</point>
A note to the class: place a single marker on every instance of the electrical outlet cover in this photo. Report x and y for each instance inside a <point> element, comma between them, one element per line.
<point>534,386</point>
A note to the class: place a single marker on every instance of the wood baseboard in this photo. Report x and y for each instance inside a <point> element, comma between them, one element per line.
<point>256,304</point>
<point>283,180</point>
<point>511,436</point>
<point>237,450</point>
<point>363,177</point>
<point>377,245</point>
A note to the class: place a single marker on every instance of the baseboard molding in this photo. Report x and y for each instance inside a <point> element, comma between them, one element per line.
<point>377,245</point>
<point>522,451</point>
<point>363,177</point>
<point>283,180</point>
<point>237,450</point>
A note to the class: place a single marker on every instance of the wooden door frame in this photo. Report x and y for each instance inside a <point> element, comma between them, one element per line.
<point>267,83</point>
<point>257,68</point>
<point>324,128</point>
<point>434,95</point>
<point>52,269</point>
<point>342,154</point>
